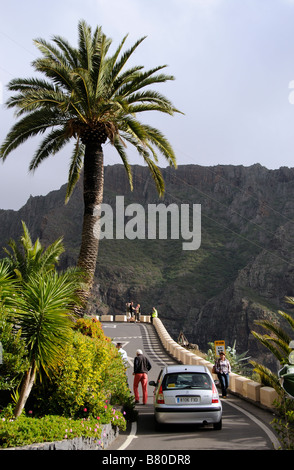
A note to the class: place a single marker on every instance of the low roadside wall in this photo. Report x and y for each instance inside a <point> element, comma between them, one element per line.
<point>241,386</point>
<point>123,318</point>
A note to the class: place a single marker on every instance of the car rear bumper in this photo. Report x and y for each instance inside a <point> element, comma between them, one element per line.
<point>188,415</point>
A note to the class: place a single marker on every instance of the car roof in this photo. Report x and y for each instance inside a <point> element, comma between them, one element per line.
<point>184,368</point>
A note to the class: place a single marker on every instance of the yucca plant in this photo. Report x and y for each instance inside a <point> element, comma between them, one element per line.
<point>90,96</point>
<point>8,286</point>
<point>14,362</point>
<point>26,259</point>
<point>42,313</point>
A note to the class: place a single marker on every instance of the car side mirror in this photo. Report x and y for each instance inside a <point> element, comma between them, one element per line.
<point>154,384</point>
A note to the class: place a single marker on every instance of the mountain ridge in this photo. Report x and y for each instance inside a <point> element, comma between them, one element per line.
<point>242,271</point>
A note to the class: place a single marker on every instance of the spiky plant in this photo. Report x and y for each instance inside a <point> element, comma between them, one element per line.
<point>277,341</point>
<point>25,258</point>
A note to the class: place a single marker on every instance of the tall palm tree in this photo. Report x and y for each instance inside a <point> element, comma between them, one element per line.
<point>89,95</point>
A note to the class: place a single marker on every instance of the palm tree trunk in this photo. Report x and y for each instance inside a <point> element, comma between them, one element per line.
<point>93,196</point>
<point>25,391</point>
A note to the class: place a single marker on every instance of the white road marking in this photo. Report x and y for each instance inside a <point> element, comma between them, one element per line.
<point>130,437</point>
<point>259,423</point>
<point>149,344</point>
<point>268,432</point>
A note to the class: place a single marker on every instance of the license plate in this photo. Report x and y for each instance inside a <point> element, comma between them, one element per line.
<point>188,399</point>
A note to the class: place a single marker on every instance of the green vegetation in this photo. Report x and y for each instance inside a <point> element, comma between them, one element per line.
<point>277,340</point>
<point>29,430</point>
<point>58,372</point>
<point>239,362</point>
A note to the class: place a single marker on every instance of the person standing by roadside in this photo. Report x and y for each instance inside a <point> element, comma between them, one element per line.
<point>223,368</point>
<point>154,314</point>
<point>138,313</point>
<point>141,369</point>
<point>123,353</point>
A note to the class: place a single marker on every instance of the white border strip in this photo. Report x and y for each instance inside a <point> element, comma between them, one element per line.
<point>130,437</point>
<point>270,434</point>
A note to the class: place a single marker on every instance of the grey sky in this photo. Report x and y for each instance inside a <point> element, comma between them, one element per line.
<point>233,61</point>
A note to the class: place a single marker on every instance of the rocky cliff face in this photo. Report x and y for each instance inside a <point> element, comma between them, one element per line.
<point>242,271</point>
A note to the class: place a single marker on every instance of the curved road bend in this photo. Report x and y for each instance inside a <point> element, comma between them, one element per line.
<point>245,426</point>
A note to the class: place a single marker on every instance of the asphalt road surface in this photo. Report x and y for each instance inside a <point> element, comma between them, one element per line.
<point>245,426</point>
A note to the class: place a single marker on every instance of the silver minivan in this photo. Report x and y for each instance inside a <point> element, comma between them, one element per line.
<point>186,394</point>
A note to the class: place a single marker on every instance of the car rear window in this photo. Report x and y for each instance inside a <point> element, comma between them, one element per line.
<point>182,380</point>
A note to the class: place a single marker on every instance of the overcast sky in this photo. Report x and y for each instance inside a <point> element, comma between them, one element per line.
<point>233,61</point>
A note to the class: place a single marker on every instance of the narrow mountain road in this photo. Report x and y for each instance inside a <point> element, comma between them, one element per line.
<point>245,426</point>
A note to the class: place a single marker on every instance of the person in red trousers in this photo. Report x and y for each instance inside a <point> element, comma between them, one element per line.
<point>141,369</point>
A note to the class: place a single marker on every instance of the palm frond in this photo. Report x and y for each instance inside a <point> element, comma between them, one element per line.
<point>76,166</point>
<point>156,175</point>
<point>155,137</point>
<point>69,52</point>
<point>278,331</point>
<point>119,146</point>
<point>267,376</point>
<point>29,126</point>
<point>50,145</point>
<point>266,341</point>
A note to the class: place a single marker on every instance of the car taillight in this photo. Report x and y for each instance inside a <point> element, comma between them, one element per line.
<point>214,394</point>
<point>160,397</point>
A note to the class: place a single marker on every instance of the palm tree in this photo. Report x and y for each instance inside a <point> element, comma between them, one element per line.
<point>89,95</point>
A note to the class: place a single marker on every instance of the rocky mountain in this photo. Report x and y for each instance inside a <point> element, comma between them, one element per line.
<point>242,271</point>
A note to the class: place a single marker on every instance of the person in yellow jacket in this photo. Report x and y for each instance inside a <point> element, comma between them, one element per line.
<point>154,314</point>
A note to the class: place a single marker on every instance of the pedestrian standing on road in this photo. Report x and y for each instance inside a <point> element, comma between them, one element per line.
<point>154,314</point>
<point>128,313</point>
<point>132,311</point>
<point>223,368</point>
<point>141,369</point>
<point>138,313</point>
<point>123,353</point>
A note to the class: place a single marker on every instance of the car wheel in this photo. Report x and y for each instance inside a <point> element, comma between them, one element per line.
<point>217,426</point>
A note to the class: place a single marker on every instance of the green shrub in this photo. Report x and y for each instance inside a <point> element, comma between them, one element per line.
<point>283,423</point>
<point>90,327</point>
<point>15,362</point>
<point>83,394</point>
<point>92,376</point>
<point>28,430</point>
